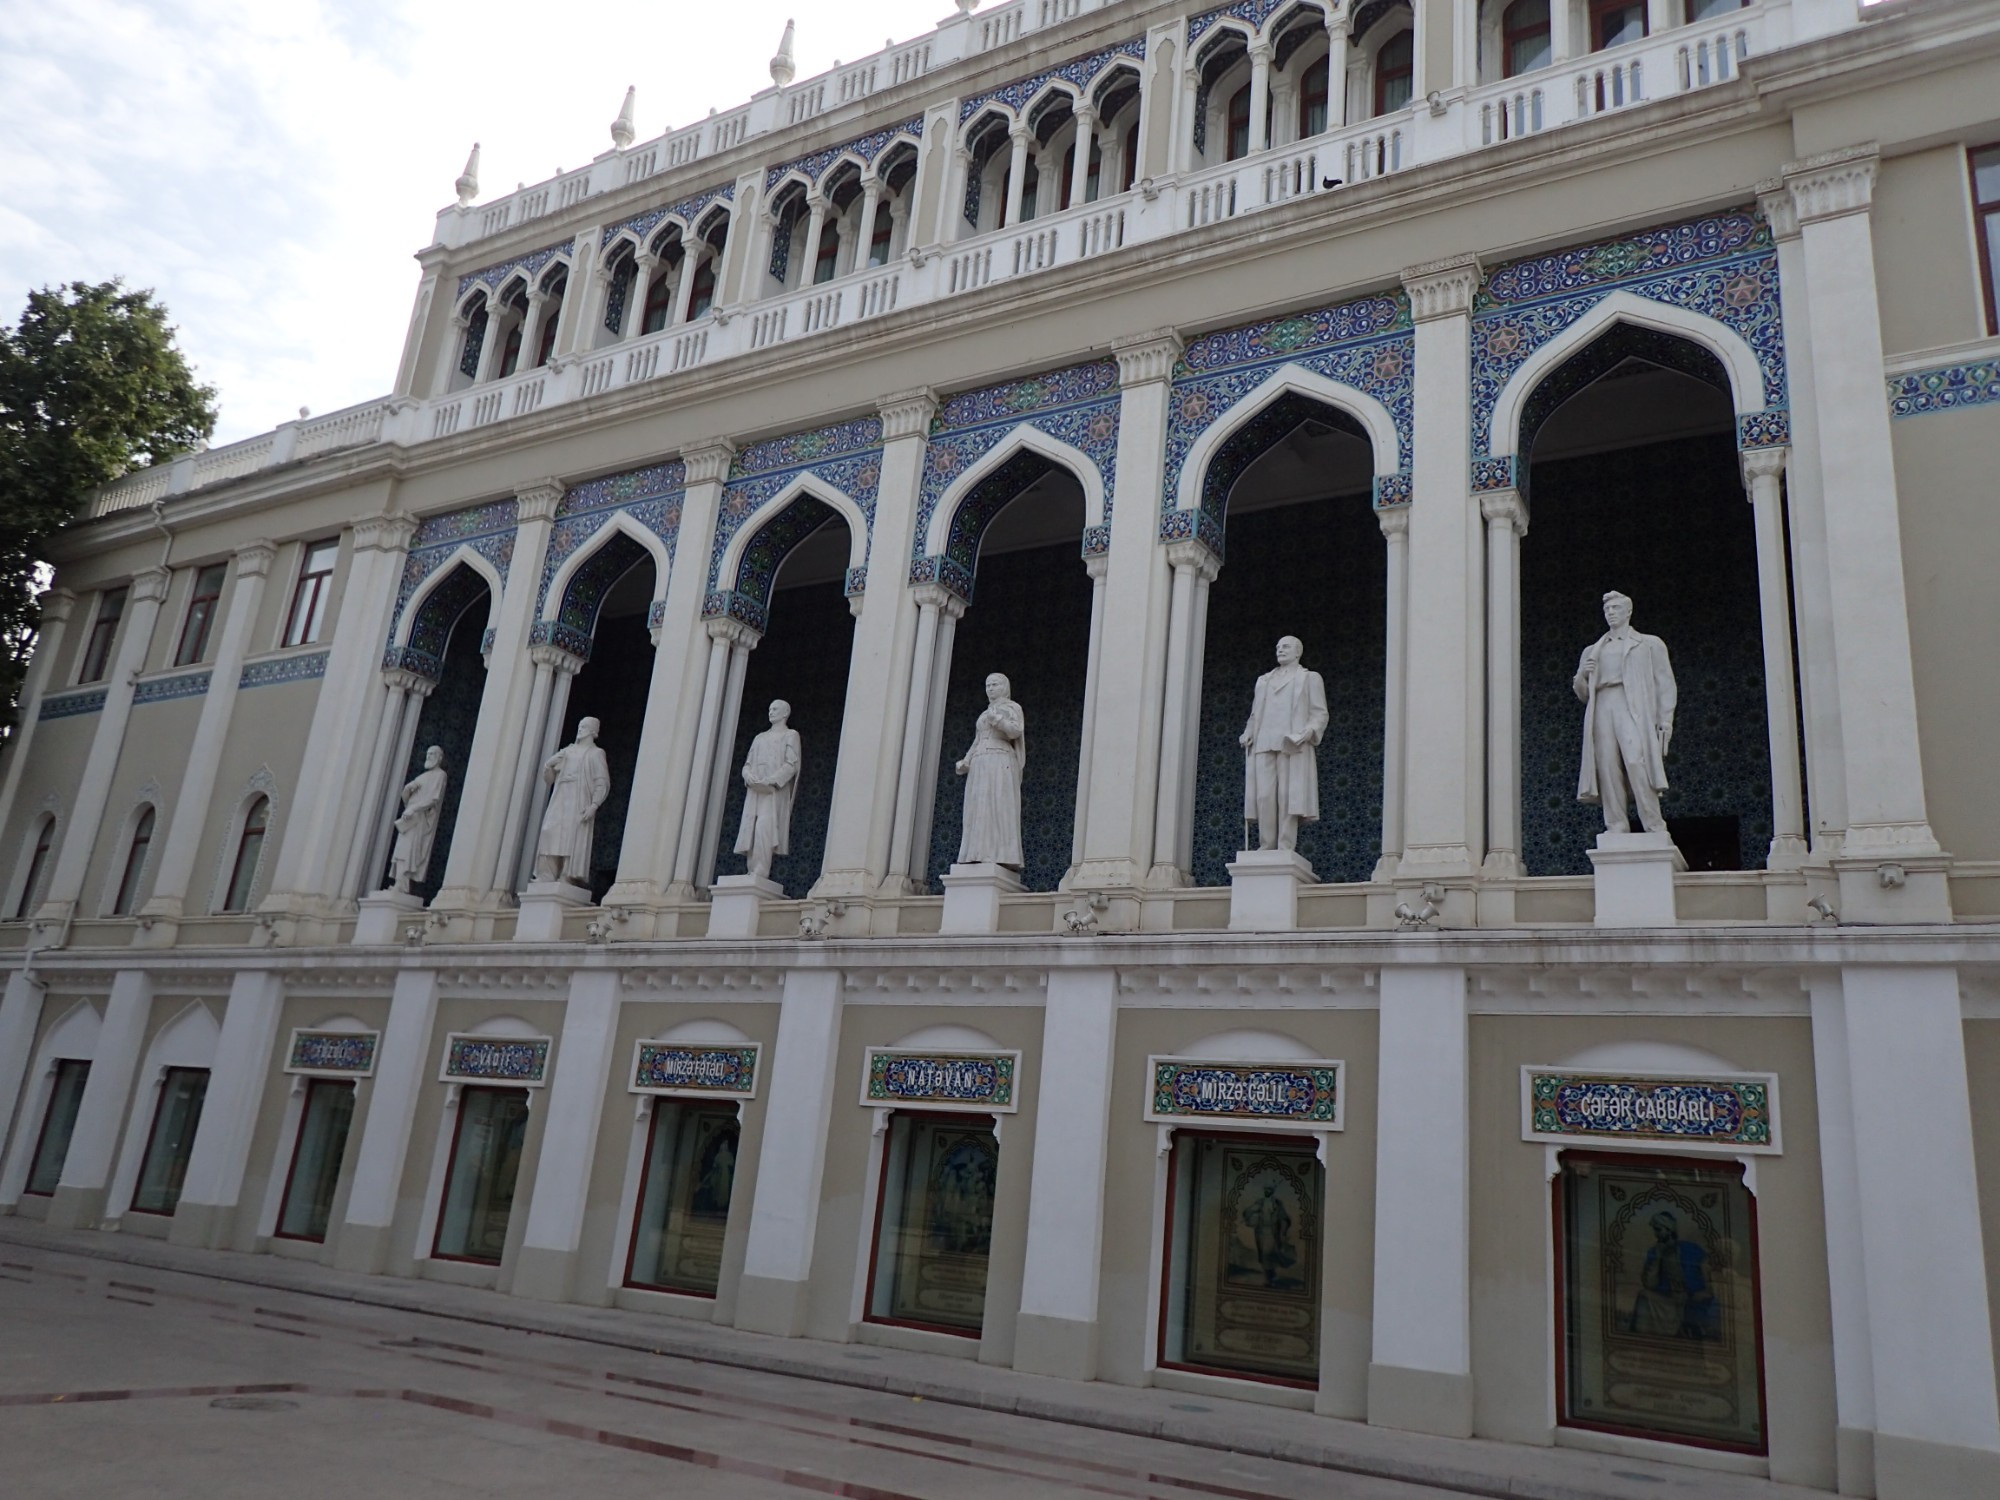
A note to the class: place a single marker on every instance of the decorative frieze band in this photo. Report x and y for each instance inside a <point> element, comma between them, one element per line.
<point>1944,388</point>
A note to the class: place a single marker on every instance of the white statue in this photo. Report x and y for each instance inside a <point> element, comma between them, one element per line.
<point>417,824</point>
<point>770,780</point>
<point>1281,760</point>
<point>992,769</point>
<point>1627,689</point>
<point>580,781</point>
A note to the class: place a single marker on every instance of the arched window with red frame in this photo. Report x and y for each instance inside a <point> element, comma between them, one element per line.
<point>1524,37</point>
<point>1129,171</point>
<point>1613,23</point>
<point>701,296</point>
<point>659,301</point>
<point>1312,101</point>
<point>1395,72</point>
<point>1239,124</point>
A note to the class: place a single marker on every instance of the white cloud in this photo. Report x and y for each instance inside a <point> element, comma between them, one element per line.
<point>270,166</point>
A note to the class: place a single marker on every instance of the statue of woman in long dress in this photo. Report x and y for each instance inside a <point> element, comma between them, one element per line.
<point>417,824</point>
<point>992,771</point>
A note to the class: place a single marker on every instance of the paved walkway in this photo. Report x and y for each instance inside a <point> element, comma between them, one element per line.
<point>132,1367</point>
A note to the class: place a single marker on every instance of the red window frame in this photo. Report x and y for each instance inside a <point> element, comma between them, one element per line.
<point>203,598</point>
<point>1512,33</point>
<point>1691,10</point>
<point>1986,226</point>
<point>103,632</point>
<point>153,1140</point>
<point>639,1206</point>
<point>1236,130</point>
<point>278,1230</point>
<point>545,343</point>
<point>702,297</point>
<point>1313,91</point>
<point>1603,11</point>
<point>451,1167</point>
<point>307,616</point>
<point>1404,71</point>
<point>1129,170</point>
<point>868,1315</point>
<point>49,1118</point>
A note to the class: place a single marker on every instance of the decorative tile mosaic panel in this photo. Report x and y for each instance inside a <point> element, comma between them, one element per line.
<point>1668,525</point>
<point>867,147</point>
<point>1723,266</point>
<point>1287,1093</point>
<point>307,668</point>
<point>846,457</point>
<point>163,689</point>
<point>69,705</point>
<point>982,1081</point>
<point>687,210</point>
<point>423,654</point>
<point>576,617</point>
<point>674,1071</point>
<point>491,277</point>
<point>1739,1110</point>
<point>652,496</point>
<point>339,1054</point>
<point>496,1059</point>
<point>1082,73</point>
<point>487,529</point>
<point>1252,13</point>
<point>447,719</point>
<point>1945,388</point>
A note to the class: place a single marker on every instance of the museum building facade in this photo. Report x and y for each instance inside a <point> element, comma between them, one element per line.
<point>727,794</point>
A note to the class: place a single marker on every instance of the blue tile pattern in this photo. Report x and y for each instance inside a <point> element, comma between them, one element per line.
<point>307,668</point>
<point>423,652</point>
<point>1253,13</point>
<point>69,705</point>
<point>447,719</point>
<point>1082,73</point>
<point>651,496</point>
<point>493,1059</point>
<point>340,1052</point>
<point>687,210</point>
<point>487,529</point>
<point>845,457</point>
<point>163,689</point>
<point>948,1078</point>
<point>1945,388</point>
<point>491,277</point>
<point>663,1068</point>
<point>867,147</point>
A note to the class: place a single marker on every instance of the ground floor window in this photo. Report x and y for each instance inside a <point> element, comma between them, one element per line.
<point>934,1230</point>
<point>684,1198</point>
<point>171,1143</point>
<point>1241,1295</point>
<point>479,1184</point>
<point>58,1124</point>
<point>1658,1332</point>
<point>315,1170</point>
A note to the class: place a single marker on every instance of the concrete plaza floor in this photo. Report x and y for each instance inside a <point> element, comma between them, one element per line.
<point>130,1367</point>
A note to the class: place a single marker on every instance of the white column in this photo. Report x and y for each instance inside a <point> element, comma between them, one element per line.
<point>531,330</point>
<point>545,1267</point>
<point>784,1218</point>
<point>864,238</point>
<point>932,747</point>
<point>1336,69</point>
<point>1560,47</point>
<point>722,765</point>
<point>553,718</point>
<point>1846,1274</point>
<point>1055,1332</point>
<point>86,819</point>
<point>528,763</point>
<point>1444,701</point>
<point>861,824</point>
<point>1506,523</point>
<point>1762,468</point>
<point>1395,523</point>
<point>1096,567</point>
<point>451,353</point>
<point>1661,15</point>
<point>1190,101</point>
<point>204,760</point>
<point>1937,1420</point>
<point>957,180</point>
<point>1079,176</point>
<point>1260,93</point>
<point>493,341</point>
<point>691,259</point>
<point>20,1018</point>
<point>243,1053</point>
<point>405,1063</point>
<point>1420,1373</point>
<point>1173,813</point>
<point>107,1092</point>
<point>1887,822</point>
<point>1017,174</point>
<point>403,695</point>
<point>644,268</point>
<point>815,226</point>
<point>56,607</point>
<point>905,861</point>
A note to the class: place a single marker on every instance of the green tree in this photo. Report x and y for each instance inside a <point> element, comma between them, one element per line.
<point>91,384</point>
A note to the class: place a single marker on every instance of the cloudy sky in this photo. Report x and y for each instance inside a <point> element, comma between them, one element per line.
<point>270,166</point>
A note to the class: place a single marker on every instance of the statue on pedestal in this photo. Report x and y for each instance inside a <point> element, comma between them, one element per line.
<point>417,824</point>
<point>1627,688</point>
<point>991,832</point>
<point>580,780</point>
<point>1281,760</point>
<point>770,781</point>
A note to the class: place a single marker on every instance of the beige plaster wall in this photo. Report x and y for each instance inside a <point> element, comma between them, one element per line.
<point>1926,274</point>
<point>1982,1069</point>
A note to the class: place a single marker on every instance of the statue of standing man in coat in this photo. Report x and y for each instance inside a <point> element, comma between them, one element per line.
<point>770,781</point>
<point>1281,761</point>
<point>579,779</point>
<point>1627,688</point>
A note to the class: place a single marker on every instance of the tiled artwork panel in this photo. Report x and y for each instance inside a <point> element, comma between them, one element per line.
<point>802,659</point>
<point>1032,622</point>
<point>1668,525</point>
<point>447,718</point>
<point>1315,571</point>
<point>612,689</point>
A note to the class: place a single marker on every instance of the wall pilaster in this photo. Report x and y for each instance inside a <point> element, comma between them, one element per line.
<point>56,607</point>
<point>107,1094</point>
<point>213,1187</point>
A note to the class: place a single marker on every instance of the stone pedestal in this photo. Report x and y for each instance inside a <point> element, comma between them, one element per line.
<point>543,906</point>
<point>1264,889</point>
<point>1635,879</point>
<point>972,897</point>
<point>384,915</point>
<point>736,901</point>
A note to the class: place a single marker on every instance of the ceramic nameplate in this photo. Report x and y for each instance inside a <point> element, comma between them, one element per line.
<point>1737,1110</point>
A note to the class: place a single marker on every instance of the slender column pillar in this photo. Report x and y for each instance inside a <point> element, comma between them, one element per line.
<point>403,694</point>
<point>1395,523</point>
<point>1847,1279</point>
<point>784,1218</point>
<point>473,864</point>
<point>490,346</point>
<point>1436,46</point>
<point>1193,565</point>
<point>1096,566</point>
<point>645,268</point>
<point>1506,523</point>
<point>20,1017</point>
<point>722,762</point>
<point>1079,176</point>
<point>1336,69</point>
<point>1887,821</point>
<point>56,607</point>
<point>546,1266</point>
<point>684,288</point>
<point>933,601</point>
<point>869,769</point>
<point>528,761</point>
<point>204,761</point>
<point>1190,101</point>
<point>1130,681</point>
<point>864,238</point>
<point>1055,1332</point>
<point>1444,697</point>
<point>1762,469</point>
<point>404,1065</point>
<point>531,330</point>
<point>1017,173</point>
<point>582,307</point>
<point>1260,93</point>
<point>537,801</point>
<point>953,211</point>
<point>713,686</point>
<point>213,1187</point>
<point>933,744</point>
<point>899,237</point>
<point>107,1093</point>
<point>86,819</point>
<point>452,352</point>
<point>1561,49</point>
<point>1420,1373</point>
<point>815,227</point>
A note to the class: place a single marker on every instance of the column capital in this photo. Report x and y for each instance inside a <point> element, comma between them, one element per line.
<point>537,500</point>
<point>709,464</point>
<point>555,658</point>
<point>149,585</point>
<point>1442,288</point>
<point>404,680</point>
<point>1085,112</point>
<point>1834,183</point>
<point>1763,463</point>
<point>254,559</point>
<point>937,597</point>
<point>1775,199</point>
<point>1193,556</point>
<point>56,605</point>
<point>908,414</point>
<point>1020,132</point>
<point>1147,357</point>
<point>1394,521</point>
<point>1260,50</point>
<point>1504,508</point>
<point>1096,566</point>
<point>735,632</point>
<point>384,533</point>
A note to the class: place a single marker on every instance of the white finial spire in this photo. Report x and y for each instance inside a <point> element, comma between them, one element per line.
<point>967,7</point>
<point>621,128</point>
<point>468,180</point>
<point>783,69</point>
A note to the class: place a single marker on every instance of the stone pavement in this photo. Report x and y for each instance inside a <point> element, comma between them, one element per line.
<point>131,1366</point>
